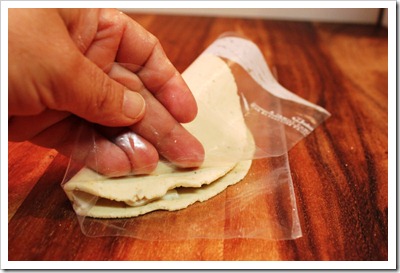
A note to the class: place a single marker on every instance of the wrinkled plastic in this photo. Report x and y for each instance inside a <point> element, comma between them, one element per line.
<point>263,205</point>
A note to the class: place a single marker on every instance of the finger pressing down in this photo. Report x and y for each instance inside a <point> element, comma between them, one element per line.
<point>160,128</point>
<point>142,155</point>
<point>86,144</point>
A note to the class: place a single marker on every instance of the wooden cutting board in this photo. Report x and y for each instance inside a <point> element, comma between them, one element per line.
<point>339,172</point>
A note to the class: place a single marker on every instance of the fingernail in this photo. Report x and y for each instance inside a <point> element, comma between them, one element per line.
<point>134,104</point>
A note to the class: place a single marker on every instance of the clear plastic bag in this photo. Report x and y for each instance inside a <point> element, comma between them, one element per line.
<point>263,204</point>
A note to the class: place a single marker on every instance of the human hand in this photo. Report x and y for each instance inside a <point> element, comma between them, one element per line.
<point>62,73</point>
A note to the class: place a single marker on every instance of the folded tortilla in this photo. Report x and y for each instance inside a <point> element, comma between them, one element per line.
<point>219,126</point>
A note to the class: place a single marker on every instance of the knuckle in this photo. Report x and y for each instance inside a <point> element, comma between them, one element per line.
<point>105,97</point>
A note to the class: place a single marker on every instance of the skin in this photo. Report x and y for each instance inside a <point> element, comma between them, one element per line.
<point>96,86</point>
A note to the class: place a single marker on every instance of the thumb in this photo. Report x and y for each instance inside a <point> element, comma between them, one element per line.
<point>88,92</point>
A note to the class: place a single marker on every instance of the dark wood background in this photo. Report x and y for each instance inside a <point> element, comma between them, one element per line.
<point>340,171</point>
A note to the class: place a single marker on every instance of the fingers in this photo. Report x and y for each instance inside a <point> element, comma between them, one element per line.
<point>48,70</point>
<point>75,138</point>
<point>142,154</point>
<point>93,96</point>
<point>172,140</point>
<point>122,39</point>
<point>84,143</point>
<point>71,82</point>
<point>119,38</point>
<point>160,128</point>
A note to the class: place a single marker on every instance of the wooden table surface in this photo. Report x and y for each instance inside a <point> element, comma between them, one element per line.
<point>339,172</point>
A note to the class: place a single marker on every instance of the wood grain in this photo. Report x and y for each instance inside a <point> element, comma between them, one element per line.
<point>339,172</point>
